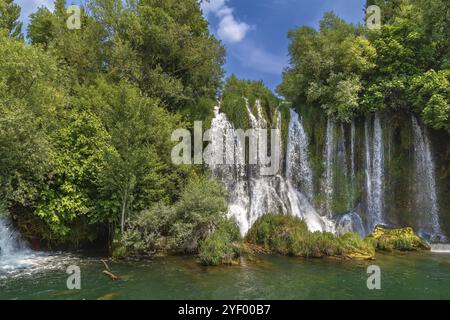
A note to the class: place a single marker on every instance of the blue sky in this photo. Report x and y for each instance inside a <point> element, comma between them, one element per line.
<point>255,31</point>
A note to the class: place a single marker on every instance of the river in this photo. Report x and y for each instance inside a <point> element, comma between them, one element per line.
<point>409,276</point>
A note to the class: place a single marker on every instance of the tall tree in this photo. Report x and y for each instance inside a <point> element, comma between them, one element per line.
<point>163,46</point>
<point>9,18</point>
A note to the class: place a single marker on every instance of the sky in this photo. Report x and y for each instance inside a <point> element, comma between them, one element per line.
<point>254,32</point>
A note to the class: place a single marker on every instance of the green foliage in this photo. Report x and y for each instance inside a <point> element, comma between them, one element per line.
<point>430,95</point>
<point>200,210</point>
<point>222,246</point>
<point>164,47</point>
<point>397,239</point>
<point>80,51</point>
<point>87,115</point>
<point>149,232</point>
<point>237,95</point>
<point>327,66</point>
<point>9,19</point>
<point>28,100</point>
<point>289,235</point>
<point>389,9</point>
<point>183,226</point>
<point>349,70</point>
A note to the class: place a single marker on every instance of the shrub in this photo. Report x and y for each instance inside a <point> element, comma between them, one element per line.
<point>150,231</point>
<point>180,227</point>
<point>277,232</point>
<point>199,212</point>
<point>221,246</point>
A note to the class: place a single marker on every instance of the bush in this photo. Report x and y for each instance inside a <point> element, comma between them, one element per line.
<point>278,232</point>
<point>289,235</point>
<point>222,246</point>
<point>150,231</point>
<point>200,211</point>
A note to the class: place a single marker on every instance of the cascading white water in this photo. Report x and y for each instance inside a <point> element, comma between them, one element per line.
<point>426,194</point>
<point>299,177</point>
<point>13,250</point>
<point>297,163</point>
<point>10,243</point>
<point>374,170</point>
<point>352,162</point>
<point>440,248</point>
<point>343,167</point>
<point>350,222</point>
<point>378,169</point>
<point>252,195</point>
<point>328,180</point>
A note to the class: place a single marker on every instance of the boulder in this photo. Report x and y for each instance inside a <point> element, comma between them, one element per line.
<point>403,239</point>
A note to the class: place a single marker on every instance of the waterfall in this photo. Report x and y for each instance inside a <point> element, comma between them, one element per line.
<point>12,249</point>
<point>328,187</point>
<point>374,171</point>
<point>291,191</point>
<point>343,170</point>
<point>350,222</point>
<point>252,195</point>
<point>298,168</point>
<point>300,177</point>
<point>440,248</point>
<point>426,194</point>
<point>352,162</point>
<point>10,243</point>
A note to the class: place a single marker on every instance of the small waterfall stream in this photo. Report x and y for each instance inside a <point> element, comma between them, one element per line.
<point>10,243</point>
<point>13,250</point>
<point>426,194</point>
<point>298,168</point>
<point>374,171</point>
<point>330,151</point>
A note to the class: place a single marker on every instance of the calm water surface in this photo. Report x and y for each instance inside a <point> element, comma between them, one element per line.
<point>410,276</point>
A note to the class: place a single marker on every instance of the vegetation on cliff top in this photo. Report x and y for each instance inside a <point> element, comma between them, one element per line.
<point>348,69</point>
<point>238,94</point>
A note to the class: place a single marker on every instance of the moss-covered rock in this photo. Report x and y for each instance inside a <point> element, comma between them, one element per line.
<point>403,239</point>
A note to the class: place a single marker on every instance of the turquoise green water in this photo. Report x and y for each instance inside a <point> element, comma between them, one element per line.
<point>412,276</point>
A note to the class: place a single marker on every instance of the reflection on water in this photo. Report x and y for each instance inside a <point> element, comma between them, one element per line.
<point>409,276</point>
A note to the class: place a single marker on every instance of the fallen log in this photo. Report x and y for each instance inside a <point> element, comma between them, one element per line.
<point>111,275</point>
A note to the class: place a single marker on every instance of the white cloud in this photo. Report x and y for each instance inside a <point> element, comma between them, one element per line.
<point>229,29</point>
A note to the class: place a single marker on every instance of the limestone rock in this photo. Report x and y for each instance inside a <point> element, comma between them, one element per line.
<point>403,239</point>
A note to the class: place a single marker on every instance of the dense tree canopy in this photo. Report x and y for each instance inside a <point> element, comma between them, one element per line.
<point>87,114</point>
<point>9,15</point>
<point>348,70</point>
